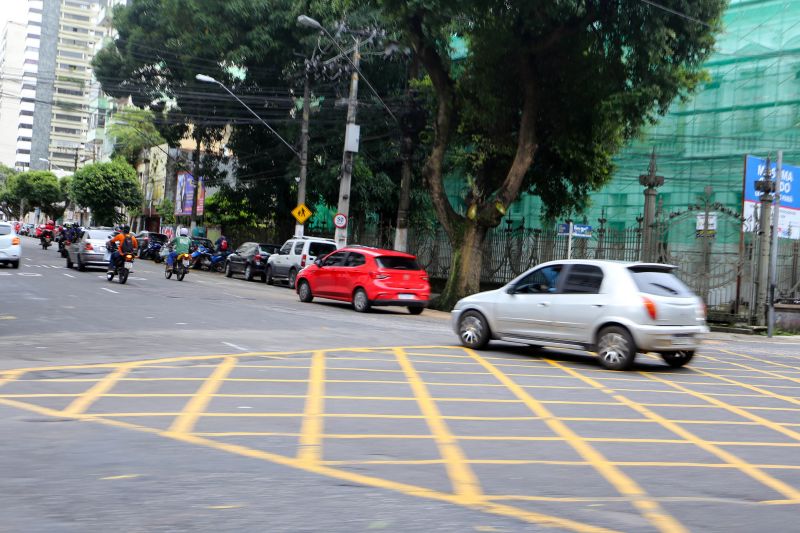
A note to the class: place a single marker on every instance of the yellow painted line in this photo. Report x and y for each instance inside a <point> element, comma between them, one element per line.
<point>124,476</point>
<point>753,388</point>
<point>403,488</point>
<point>760,371</point>
<point>7,317</point>
<point>465,483</point>
<point>780,502</point>
<point>760,360</point>
<point>626,486</point>
<point>727,457</point>
<point>311,440</point>
<point>185,422</point>
<point>238,506</point>
<point>10,375</point>
<point>82,403</point>
<point>741,411</point>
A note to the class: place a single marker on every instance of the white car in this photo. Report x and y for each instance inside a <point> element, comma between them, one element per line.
<point>616,309</point>
<point>10,245</point>
<point>294,256</point>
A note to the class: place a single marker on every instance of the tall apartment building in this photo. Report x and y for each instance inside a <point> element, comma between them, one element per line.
<point>54,112</point>
<point>12,48</point>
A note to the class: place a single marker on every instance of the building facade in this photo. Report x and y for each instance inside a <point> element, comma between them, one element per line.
<point>12,50</point>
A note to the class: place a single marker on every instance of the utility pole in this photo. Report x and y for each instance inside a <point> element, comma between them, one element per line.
<point>773,270</point>
<point>299,229</point>
<point>766,187</point>
<point>195,183</point>
<point>651,182</point>
<point>350,149</point>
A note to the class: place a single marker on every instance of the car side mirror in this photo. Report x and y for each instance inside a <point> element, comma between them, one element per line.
<point>318,262</point>
<point>511,289</point>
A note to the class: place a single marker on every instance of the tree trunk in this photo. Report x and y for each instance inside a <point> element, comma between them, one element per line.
<point>465,266</point>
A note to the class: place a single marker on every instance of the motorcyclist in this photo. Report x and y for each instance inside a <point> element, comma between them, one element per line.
<point>123,242</point>
<point>221,244</point>
<point>49,228</point>
<point>180,245</point>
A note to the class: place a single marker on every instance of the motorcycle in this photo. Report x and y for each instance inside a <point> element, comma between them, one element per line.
<point>216,262</point>
<point>153,251</point>
<point>199,256</point>
<point>45,239</point>
<point>179,267</point>
<point>122,268</point>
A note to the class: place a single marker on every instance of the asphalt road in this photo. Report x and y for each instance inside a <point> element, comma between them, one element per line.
<point>217,404</point>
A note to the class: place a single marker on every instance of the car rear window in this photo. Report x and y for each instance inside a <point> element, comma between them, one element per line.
<point>397,262</point>
<point>100,235</point>
<point>659,282</point>
<point>268,248</point>
<point>5,230</point>
<point>319,249</point>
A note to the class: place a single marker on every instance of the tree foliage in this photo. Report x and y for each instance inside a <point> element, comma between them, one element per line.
<point>106,189</point>
<point>546,94</point>
<point>133,130</point>
<point>38,188</point>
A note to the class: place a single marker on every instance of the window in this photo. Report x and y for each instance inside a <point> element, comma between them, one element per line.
<point>5,229</point>
<point>71,92</point>
<point>26,113</point>
<point>659,282</point>
<point>242,250</point>
<point>25,139</point>
<point>73,68</point>
<point>583,279</point>
<point>355,260</point>
<point>397,263</point>
<point>539,281</point>
<point>73,16</point>
<point>320,249</point>
<point>23,151</point>
<point>67,53</point>
<point>286,248</point>
<point>336,259</point>
<point>298,248</point>
<point>69,118</point>
<point>268,248</point>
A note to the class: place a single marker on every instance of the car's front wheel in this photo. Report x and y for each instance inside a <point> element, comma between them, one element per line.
<point>304,291</point>
<point>473,330</point>
<point>292,278</point>
<point>228,271</point>
<point>615,348</point>
<point>268,275</point>
<point>678,359</point>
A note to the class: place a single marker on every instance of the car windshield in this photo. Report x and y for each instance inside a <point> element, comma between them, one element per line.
<point>99,235</point>
<point>319,249</point>
<point>5,230</point>
<point>659,282</point>
<point>268,248</point>
<point>394,262</point>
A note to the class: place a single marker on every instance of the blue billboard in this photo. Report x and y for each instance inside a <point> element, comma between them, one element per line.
<point>789,221</point>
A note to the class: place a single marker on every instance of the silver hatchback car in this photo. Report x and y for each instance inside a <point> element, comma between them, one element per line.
<point>613,308</point>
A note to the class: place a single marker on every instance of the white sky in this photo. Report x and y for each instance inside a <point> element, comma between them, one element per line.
<point>16,10</point>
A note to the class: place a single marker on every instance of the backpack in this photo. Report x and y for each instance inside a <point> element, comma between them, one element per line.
<point>223,245</point>
<point>127,245</point>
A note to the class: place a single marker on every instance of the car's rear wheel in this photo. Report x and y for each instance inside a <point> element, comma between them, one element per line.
<point>678,359</point>
<point>473,330</point>
<point>292,278</point>
<point>14,264</point>
<point>416,310</point>
<point>615,348</point>
<point>268,275</point>
<point>304,291</point>
<point>70,264</point>
<point>361,302</point>
<point>81,266</point>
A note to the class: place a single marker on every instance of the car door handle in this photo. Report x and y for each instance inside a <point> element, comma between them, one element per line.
<point>544,304</point>
<point>598,305</point>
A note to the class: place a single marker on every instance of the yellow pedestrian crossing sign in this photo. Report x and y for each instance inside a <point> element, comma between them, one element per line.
<point>301,213</point>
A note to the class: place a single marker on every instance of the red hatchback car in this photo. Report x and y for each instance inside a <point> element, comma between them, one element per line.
<point>366,277</point>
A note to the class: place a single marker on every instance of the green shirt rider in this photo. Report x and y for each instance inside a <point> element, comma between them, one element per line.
<point>180,245</point>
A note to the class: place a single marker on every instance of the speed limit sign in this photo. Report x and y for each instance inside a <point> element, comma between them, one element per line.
<point>340,221</point>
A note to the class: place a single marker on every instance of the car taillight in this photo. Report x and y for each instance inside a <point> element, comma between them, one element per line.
<point>702,311</point>
<point>378,275</point>
<point>257,257</point>
<point>650,307</point>
<point>303,260</point>
<point>424,278</point>
<point>15,241</point>
<point>88,246</point>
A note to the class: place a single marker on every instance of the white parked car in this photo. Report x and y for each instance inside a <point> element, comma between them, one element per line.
<point>10,245</point>
<point>294,256</point>
<point>613,308</point>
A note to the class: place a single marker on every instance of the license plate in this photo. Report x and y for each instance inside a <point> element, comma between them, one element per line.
<point>682,341</point>
<point>186,262</point>
<point>406,296</point>
<point>128,265</point>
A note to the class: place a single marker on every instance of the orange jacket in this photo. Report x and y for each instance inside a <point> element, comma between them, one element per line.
<point>120,238</point>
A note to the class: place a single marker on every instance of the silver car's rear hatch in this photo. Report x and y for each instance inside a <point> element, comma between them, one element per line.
<point>675,303</point>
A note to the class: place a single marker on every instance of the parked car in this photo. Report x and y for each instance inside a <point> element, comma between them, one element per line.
<point>613,308</point>
<point>90,249</point>
<point>143,238</point>
<point>250,259</point>
<point>10,245</point>
<point>295,255</point>
<point>367,277</point>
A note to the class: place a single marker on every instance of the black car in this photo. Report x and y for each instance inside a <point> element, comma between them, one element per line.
<point>250,259</point>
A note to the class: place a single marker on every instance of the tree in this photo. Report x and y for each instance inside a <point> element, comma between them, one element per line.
<point>106,188</point>
<point>133,130</point>
<point>36,189</point>
<point>547,93</point>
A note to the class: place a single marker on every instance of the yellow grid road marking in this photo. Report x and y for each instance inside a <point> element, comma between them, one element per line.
<point>9,376</point>
<point>464,482</point>
<point>762,360</point>
<point>745,467</point>
<point>759,370</point>
<point>310,440</point>
<point>753,388</point>
<point>195,407</point>
<point>85,400</point>
<point>616,477</point>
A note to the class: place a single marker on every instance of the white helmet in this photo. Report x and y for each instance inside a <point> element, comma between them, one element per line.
<point>184,232</point>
